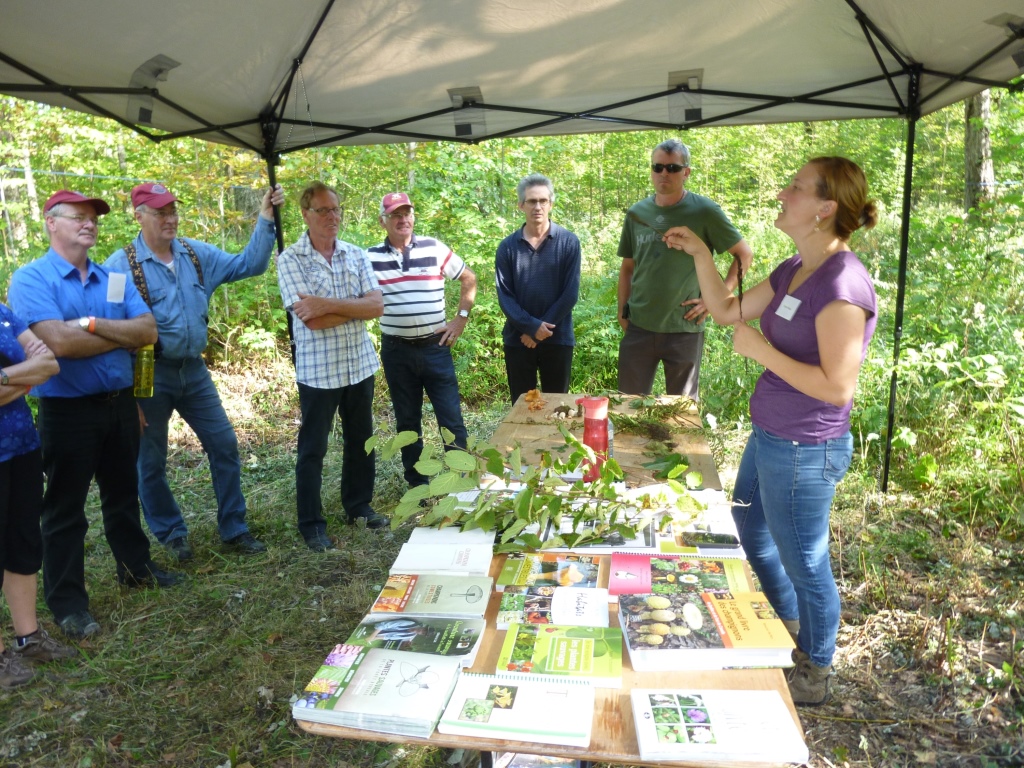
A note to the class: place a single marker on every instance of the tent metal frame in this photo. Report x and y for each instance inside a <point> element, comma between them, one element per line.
<point>908,105</point>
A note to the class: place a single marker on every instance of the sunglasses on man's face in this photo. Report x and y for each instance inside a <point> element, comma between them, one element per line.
<point>670,167</point>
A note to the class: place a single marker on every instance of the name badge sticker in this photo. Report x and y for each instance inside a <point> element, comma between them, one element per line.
<point>115,287</point>
<point>788,307</point>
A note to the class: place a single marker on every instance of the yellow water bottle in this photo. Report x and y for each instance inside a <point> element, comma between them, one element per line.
<point>144,371</point>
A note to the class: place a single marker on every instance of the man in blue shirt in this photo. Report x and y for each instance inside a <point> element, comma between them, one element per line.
<point>538,278</point>
<point>88,421</point>
<point>177,277</point>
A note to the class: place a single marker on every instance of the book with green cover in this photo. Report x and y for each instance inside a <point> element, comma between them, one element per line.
<point>553,569</point>
<point>379,689</point>
<point>435,635</point>
<point>715,726</point>
<point>552,653</point>
<point>424,594</point>
<point>486,706</point>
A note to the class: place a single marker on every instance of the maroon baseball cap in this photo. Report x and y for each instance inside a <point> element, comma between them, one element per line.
<point>68,196</point>
<point>395,200</point>
<point>154,195</point>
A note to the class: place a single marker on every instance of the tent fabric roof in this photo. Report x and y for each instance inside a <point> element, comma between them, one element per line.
<point>379,72</point>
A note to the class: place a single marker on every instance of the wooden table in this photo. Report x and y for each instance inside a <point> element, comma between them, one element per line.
<point>536,430</point>
<point>614,736</point>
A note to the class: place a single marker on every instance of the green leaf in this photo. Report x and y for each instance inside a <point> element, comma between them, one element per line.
<point>429,467</point>
<point>451,482</point>
<point>516,462</point>
<point>495,461</point>
<point>460,461</point>
<point>371,442</point>
<point>694,480</point>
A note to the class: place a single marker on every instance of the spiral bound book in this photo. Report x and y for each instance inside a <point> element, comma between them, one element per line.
<point>487,706</point>
<point>562,654</point>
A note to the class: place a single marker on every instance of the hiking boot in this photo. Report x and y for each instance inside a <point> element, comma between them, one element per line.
<point>808,683</point>
<point>12,671</point>
<point>372,519</point>
<point>79,625</point>
<point>246,543</point>
<point>40,647</point>
<point>180,549</point>
<point>153,576</point>
<point>319,542</point>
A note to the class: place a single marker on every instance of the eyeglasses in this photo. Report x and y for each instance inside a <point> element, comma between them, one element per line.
<point>336,210</point>
<point>78,218</point>
<point>396,216</point>
<point>531,203</point>
<point>163,215</point>
<point>670,167</point>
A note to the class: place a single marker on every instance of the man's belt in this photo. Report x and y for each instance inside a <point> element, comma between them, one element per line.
<point>419,341</point>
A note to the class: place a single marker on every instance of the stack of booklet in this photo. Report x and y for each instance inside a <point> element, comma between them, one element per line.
<point>714,725</point>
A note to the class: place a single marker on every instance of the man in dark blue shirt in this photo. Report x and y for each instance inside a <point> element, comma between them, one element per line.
<point>538,279</point>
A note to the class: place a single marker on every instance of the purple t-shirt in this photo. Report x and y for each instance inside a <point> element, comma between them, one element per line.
<point>777,407</point>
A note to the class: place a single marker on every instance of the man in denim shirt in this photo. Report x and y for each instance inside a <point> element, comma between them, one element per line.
<point>179,277</point>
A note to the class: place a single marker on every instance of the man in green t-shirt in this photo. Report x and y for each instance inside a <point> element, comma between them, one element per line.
<point>660,308</point>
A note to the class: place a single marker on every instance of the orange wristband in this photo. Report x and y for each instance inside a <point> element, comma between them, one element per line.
<point>92,324</point>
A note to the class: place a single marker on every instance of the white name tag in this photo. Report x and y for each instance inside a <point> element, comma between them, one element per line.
<point>115,287</point>
<point>788,307</point>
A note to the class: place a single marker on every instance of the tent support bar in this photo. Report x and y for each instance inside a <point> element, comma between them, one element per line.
<point>914,97</point>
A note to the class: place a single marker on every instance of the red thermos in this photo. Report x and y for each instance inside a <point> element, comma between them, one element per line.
<point>595,433</point>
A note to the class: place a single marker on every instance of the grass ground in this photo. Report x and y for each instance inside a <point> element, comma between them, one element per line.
<point>928,671</point>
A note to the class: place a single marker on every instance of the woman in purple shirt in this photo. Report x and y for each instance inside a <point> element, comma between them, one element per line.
<point>818,312</point>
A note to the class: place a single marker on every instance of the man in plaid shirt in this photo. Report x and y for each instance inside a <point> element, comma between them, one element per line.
<point>329,287</point>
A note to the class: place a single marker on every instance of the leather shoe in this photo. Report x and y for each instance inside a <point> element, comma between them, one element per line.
<point>319,542</point>
<point>246,543</point>
<point>180,549</point>
<point>79,625</point>
<point>373,520</point>
<point>153,576</point>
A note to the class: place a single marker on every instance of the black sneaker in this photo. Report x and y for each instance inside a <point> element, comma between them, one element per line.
<point>180,549</point>
<point>153,576</point>
<point>246,543</point>
<point>319,542</point>
<point>79,625</point>
<point>372,519</point>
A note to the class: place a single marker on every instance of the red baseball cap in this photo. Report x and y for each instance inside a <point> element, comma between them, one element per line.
<point>68,196</point>
<point>394,200</point>
<point>153,194</point>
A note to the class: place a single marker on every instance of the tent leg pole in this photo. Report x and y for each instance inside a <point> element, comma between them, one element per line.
<point>901,285</point>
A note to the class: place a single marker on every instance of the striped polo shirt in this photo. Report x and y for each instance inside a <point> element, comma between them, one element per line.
<point>412,280</point>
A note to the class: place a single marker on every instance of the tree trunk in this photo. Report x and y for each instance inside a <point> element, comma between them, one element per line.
<point>979,176</point>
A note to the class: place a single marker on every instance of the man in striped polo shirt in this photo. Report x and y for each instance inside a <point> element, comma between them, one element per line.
<point>416,336</point>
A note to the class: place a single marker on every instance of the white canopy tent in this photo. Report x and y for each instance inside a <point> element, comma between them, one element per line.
<point>277,77</point>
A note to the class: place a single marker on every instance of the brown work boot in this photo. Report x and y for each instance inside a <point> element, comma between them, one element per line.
<point>40,647</point>
<point>12,672</point>
<point>808,683</point>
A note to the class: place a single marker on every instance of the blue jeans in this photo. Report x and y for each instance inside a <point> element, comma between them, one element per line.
<point>354,404</point>
<point>781,505</point>
<point>410,370</point>
<point>185,386</point>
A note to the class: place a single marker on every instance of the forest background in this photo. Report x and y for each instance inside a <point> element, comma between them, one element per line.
<point>930,666</point>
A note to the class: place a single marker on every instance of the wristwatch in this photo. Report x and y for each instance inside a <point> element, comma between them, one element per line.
<point>464,313</point>
<point>4,379</point>
<point>87,324</point>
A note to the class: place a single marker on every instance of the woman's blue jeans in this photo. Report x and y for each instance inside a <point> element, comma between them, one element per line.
<point>781,505</point>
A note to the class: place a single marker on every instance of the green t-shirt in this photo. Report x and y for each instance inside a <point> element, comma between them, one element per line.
<point>663,278</point>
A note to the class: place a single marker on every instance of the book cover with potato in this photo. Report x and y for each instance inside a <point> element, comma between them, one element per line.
<point>485,706</point>
<point>706,630</point>
<point>546,652</point>
<point>550,569</point>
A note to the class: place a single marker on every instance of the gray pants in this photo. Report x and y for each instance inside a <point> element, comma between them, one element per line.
<point>640,352</point>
